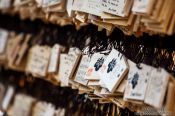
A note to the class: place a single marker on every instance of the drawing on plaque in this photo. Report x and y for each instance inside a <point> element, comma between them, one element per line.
<point>99,63</point>
<point>111,65</point>
<point>135,80</point>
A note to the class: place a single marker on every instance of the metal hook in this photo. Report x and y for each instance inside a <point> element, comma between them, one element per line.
<point>140,51</point>
<point>138,66</point>
<point>86,50</point>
